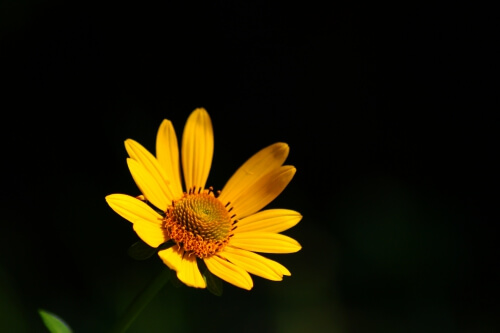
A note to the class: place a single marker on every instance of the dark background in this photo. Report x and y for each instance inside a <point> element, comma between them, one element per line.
<point>390,113</point>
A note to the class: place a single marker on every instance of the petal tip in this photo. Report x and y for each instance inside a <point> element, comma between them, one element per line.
<point>200,111</point>
<point>298,247</point>
<point>281,149</point>
<point>128,142</point>
<point>165,122</point>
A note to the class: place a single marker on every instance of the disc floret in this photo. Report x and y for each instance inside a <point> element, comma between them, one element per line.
<point>199,223</point>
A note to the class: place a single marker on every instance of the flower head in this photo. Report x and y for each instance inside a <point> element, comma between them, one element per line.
<point>224,229</point>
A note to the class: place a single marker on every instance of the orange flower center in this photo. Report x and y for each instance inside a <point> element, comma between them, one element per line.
<point>199,223</point>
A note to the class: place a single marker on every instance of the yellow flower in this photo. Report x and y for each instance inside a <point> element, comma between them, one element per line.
<point>225,228</point>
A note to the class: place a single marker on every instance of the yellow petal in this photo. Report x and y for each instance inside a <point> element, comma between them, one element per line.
<point>190,273</point>
<point>167,154</point>
<point>254,263</point>
<point>172,257</point>
<point>197,149</point>
<point>267,242</point>
<point>263,191</point>
<point>281,269</point>
<point>153,236</point>
<point>271,220</point>
<point>147,222</point>
<point>229,272</point>
<point>185,266</point>
<point>152,189</point>
<point>150,164</point>
<point>255,167</point>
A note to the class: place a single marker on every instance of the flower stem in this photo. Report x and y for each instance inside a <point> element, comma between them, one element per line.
<point>141,300</point>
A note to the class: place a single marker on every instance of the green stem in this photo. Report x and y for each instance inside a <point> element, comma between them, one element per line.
<point>141,300</point>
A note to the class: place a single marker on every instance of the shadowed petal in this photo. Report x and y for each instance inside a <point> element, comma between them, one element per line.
<point>263,191</point>
<point>261,163</point>
<point>197,148</point>
<point>229,272</point>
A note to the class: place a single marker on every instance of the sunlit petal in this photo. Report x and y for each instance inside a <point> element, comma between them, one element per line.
<point>197,148</point>
<point>189,273</point>
<point>147,222</point>
<point>254,263</point>
<point>149,185</point>
<point>266,242</point>
<point>167,153</point>
<point>271,220</point>
<point>153,236</point>
<point>172,257</point>
<point>185,266</point>
<point>151,165</point>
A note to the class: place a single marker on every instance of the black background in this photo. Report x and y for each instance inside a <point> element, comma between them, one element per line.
<point>390,113</point>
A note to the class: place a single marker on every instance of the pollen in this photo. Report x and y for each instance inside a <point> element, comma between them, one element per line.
<point>199,223</point>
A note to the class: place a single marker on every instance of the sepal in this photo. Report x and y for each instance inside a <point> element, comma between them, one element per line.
<point>142,251</point>
<point>214,283</point>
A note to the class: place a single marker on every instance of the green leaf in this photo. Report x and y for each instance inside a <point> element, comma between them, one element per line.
<point>53,322</point>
